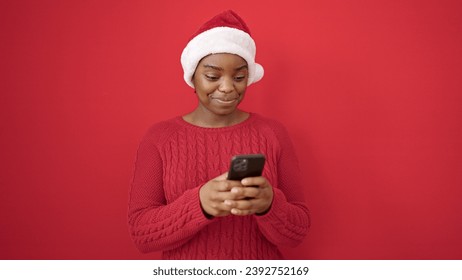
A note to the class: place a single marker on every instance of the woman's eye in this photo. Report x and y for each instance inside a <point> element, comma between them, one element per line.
<point>239,78</point>
<point>211,78</point>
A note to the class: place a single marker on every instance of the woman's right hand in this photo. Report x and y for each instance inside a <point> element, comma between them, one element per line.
<point>213,194</point>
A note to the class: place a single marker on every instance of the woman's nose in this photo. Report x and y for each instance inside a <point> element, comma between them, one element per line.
<point>227,85</point>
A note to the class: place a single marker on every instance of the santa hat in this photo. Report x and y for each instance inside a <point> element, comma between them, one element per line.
<point>225,33</point>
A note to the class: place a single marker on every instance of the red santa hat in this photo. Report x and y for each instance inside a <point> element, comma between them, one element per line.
<point>225,33</point>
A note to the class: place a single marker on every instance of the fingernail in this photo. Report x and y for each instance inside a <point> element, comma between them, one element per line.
<point>227,202</point>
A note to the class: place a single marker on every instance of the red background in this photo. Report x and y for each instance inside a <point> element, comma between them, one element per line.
<point>370,92</point>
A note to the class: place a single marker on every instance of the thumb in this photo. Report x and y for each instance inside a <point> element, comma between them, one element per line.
<point>222,177</point>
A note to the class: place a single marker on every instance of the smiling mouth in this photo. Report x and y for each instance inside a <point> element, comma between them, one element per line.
<point>224,100</point>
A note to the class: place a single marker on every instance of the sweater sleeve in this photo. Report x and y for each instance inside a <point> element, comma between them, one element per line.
<point>155,225</point>
<point>288,220</point>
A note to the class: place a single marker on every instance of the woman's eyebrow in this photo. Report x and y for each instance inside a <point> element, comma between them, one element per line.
<point>221,69</point>
<point>242,67</point>
<point>213,67</point>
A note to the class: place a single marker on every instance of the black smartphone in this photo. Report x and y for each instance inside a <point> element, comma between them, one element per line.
<point>243,166</point>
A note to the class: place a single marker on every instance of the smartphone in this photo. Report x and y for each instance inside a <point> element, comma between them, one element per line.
<point>242,166</point>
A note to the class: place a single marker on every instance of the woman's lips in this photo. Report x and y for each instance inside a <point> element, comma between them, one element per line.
<point>224,100</point>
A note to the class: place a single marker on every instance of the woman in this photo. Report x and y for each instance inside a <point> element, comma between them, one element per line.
<point>180,200</point>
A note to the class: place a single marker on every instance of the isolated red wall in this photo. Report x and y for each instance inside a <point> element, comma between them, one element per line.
<point>370,92</point>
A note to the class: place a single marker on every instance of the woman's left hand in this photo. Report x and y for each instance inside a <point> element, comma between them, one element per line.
<point>258,194</point>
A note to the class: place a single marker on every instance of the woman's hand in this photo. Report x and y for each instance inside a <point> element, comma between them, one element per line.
<point>220,197</point>
<point>258,197</point>
<point>215,192</point>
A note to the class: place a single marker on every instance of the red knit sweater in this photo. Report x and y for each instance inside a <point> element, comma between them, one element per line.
<point>176,158</point>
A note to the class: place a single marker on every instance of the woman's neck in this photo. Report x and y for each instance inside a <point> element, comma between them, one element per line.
<point>206,119</point>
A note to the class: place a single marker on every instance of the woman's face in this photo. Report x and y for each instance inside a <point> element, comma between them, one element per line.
<point>220,82</point>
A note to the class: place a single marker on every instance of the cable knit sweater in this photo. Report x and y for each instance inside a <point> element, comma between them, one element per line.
<point>176,158</point>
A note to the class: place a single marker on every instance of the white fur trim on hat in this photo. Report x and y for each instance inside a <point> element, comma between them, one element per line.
<point>220,40</point>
